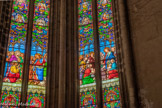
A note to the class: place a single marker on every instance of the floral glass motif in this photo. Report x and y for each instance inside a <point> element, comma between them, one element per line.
<point>38,58</point>
<point>88,98</point>
<point>111,94</point>
<point>36,100</point>
<point>18,29</point>
<point>10,98</point>
<point>109,73</point>
<point>11,86</point>
<point>40,32</point>
<point>86,55</point>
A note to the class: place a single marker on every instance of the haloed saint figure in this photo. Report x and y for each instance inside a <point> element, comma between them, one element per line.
<point>14,67</point>
<point>21,4</point>
<point>38,69</point>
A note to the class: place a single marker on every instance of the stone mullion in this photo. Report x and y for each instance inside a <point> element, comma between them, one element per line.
<point>97,54</point>
<point>118,51</point>
<point>1,26</point>
<point>76,73</point>
<point>62,55</point>
<point>1,48</point>
<point>49,57</point>
<point>72,53</point>
<point>70,71</point>
<point>25,73</point>
<point>55,52</point>
<point>128,69</point>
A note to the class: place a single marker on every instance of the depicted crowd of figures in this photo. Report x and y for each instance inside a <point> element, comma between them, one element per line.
<point>108,66</point>
<point>14,68</point>
<point>87,69</point>
<point>108,63</point>
<point>108,59</point>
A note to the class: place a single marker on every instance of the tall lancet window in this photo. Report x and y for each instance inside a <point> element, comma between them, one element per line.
<point>106,54</point>
<point>38,58</point>
<point>108,57</point>
<point>86,55</point>
<point>13,74</point>
<point>12,79</point>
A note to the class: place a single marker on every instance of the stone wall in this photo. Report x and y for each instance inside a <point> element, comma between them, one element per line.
<point>145,18</point>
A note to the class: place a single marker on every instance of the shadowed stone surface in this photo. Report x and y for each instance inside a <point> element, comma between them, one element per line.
<point>146,32</point>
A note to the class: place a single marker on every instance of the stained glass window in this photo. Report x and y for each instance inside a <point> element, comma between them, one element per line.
<point>109,73</point>
<point>86,55</point>
<point>38,60</point>
<point>108,59</point>
<point>12,80</point>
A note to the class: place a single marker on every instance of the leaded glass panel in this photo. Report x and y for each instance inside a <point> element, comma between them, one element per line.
<point>38,58</point>
<point>108,57</point>
<point>12,80</point>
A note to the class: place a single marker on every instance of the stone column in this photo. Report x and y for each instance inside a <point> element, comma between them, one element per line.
<point>127,55</point>
<point>62,56</point>
<point>70,56</point>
